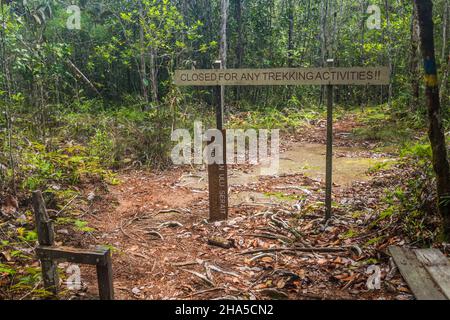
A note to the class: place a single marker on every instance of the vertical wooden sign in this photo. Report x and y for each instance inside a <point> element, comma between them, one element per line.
<point>218,188</point>
<point>218,173</point>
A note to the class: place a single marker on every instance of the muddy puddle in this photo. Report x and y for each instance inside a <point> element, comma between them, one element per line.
<point>309,159</point>
<point>349,165</point>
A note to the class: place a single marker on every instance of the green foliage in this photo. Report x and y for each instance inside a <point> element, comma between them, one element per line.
<point>419,151</point>
<point>68,164</point>
<point>78,225</point>
<point>388,126</point>
<point>381,166</point>
<point>32,276</point>
<point>285,197</point>
<point>271,118</point>
<point>374,241</point>
<point>27,235</point>
<point>412,202</point>
<point>82,226</point>
<point>6,270</point>
<point>386,133</point>
<point>349,234</point>
<point>101,146</point>
<point>385,214</point>
<point>27,280</point>
<point>112,248</point>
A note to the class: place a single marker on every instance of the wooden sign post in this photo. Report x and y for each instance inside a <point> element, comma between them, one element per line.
<point>329,76</point>
<point>217,173</point>
<point>329,161</point>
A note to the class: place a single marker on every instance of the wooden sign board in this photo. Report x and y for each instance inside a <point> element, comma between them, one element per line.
<point>218,192</point>
<point>289,76</point>
<point>218,187</point>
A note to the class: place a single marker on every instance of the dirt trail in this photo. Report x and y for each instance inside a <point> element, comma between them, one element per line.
<point>157,225</point>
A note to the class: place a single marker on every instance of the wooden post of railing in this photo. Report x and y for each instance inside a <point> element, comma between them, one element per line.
<point>105,278</point>
<point>46,237</point>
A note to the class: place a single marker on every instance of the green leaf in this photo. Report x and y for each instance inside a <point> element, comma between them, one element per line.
<point>6,270</point>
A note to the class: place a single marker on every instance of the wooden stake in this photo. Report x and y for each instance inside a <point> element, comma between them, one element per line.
<point>105,279</point>
<point>329,164</point>
<point>46,237</point>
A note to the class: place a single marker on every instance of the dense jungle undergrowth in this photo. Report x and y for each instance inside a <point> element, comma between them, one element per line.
<point>89,144</point>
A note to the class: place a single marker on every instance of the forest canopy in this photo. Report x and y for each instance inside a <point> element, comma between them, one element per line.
<point>121,50</point>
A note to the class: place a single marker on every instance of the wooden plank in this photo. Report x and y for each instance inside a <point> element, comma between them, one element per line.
<point>105,279</point>
<point>437,266</point>
<point>431,257</point>
<point>283,76</point>
<point>73,255</point>
<point>418,279</point>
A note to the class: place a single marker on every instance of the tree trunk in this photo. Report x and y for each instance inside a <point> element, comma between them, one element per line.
<point>436,131</point>
<point>445,55</point>
<point>142,67</point>
<point>390,53</point>
<point>154,75</point>
<point>445,31</point>
<point>324,33</point>
<point>240,39</point>
<point>223,32</point>
<point>324,41</point>
<point>414,62</point>
<point>306,22</point>
<point>290,32</point>
<point>361,48</point>
<point>335,43</point>
<point>223,40</point>
<point>3,53</point>
<point>240,42</point>
<point>363,32</point>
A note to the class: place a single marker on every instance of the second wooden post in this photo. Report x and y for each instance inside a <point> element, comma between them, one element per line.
<point>329,164</point>
<point>218,173</point>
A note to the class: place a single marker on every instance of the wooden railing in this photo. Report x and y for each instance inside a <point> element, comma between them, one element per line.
<point>49,254</point>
